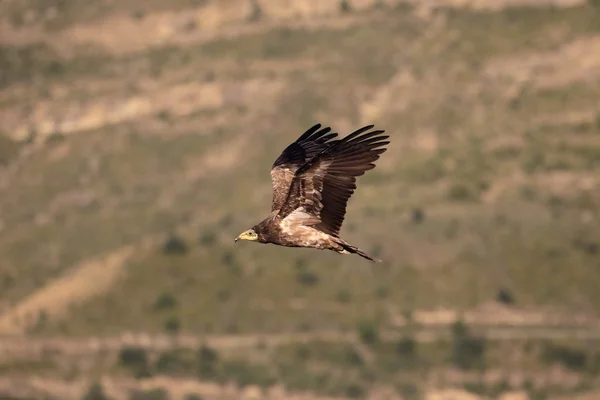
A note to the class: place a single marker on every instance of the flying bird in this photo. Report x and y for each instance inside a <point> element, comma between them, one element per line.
<point>313,179</point>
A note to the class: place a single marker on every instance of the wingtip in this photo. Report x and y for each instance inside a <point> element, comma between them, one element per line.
<point>309,131</point>
<point>371,126</point>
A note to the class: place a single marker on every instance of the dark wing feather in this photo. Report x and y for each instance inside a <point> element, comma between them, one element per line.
<point>323,185</point>
<point>312,142</point>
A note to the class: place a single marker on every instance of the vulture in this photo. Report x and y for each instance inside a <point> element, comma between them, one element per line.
<point>313,180</point>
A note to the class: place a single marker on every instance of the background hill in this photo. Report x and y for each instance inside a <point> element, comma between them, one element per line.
<point>136,139</point>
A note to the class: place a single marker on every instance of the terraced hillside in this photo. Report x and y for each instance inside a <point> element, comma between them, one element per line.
<point>136,140</point>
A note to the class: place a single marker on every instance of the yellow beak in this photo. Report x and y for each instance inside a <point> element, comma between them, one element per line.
<point>247,235</point>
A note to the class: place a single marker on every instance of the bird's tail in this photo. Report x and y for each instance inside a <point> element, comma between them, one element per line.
<point>355,250</point>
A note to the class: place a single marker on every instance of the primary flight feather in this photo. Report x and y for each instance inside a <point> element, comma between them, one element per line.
<point>313,179</point>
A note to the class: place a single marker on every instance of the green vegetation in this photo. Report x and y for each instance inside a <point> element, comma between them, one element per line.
<point>468,352</point>
<point>153,394</point>
<point>60,14</point>
<point>339,368</point>
<point>95,392</point>
<point>368,332</point>
<point>448,184</point>
<point>175,245</point>
<point>135,360</point>
<point>38,62</point>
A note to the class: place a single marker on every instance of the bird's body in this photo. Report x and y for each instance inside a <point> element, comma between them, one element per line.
<point>291,232</point>
<point>312,181</point>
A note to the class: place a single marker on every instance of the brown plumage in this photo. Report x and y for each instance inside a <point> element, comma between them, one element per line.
<point>312,181</point>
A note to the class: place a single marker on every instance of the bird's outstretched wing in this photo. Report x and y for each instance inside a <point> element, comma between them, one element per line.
<point>322,186</point>
<point>311,143</point>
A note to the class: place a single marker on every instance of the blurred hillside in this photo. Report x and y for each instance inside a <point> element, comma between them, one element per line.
<point>136,139</point>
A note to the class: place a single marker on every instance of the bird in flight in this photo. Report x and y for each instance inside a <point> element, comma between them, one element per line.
<point>312,181</point>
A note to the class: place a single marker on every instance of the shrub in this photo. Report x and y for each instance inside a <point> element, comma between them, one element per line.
<point>256,13</point>
<point>136,360</point>
<point>585,245</point>
<point>175,245</point>
<point>138,14</point>
<point>302,351</point>
<point>193,396</point>
<point>345,6</point>
<point>153,394</point>
<point>131,356</point>
<point>55,138</point>
<point>244,374</point>
<point>300,264</point>
<point>307,278</point>
<point>574,359</point>
<point>406,347</point>
<point>467,351</point>
<point>505,296</point>
<point>172,324</point>
<point>164,115</point>
<point>351,356</point>
<point>304,326</point>
<point>95,392</point>
<point>368,332</point>
<point>418,215</point>
<point>207,362</point>
<point>165,301</point>
<point>460,192</point>
<point>172,362</point>
<point>343,296</point>
<point>40,321</point>
<point>354,391</point>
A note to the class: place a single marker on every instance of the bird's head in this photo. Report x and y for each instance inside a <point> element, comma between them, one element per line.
<point>250,235</point>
